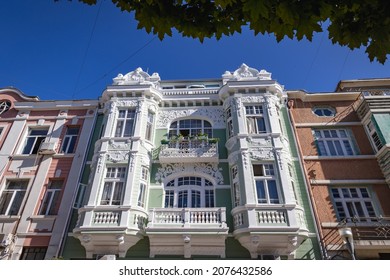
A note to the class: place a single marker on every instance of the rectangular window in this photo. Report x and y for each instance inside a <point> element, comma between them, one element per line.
<point>12,197</point>
<point>113,186</point>
<point>143,186</point>
<point>125,123</point>
<point>51,200</point>
<point>182,199</point>
<point>33,140</point>
<point>353,203</point>
<point>374,136</point>
<point>195,199</point>
<point>169,198</point>
<point>33,253</point>
<point>149,126</point>
<point>255,119</point>
<point>229,122</point>
<point>236,186</point>
<point>265,181</point>
<point>209,197</point>
<point>141,195</point>
<point>70,139</point>
<point>334,142</point>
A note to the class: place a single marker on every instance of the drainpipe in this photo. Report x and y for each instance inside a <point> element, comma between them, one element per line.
<point>307,181</point>
<point>60,249</point>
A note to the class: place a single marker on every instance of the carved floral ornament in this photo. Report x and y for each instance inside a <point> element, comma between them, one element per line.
<point>216,115</point>
<point>179,168</point>
<point>138,76</point>
<point>245,72</point>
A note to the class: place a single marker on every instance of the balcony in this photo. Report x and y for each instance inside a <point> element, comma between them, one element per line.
<point>109,229</point>
<point>187,231</point>
<point>269,229</point>
<point>371,237</point>
<point>188,150</point>
<point>202,219</point>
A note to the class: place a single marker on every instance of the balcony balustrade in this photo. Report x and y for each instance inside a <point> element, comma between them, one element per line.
<point>194,218</point>
<point>188,150</point>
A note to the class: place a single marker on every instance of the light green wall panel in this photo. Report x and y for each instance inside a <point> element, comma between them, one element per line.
<point>234,250</point>
<point>382,123</point>
<point>156,198</point>
<point>309,250</point>
<point>140,250</point>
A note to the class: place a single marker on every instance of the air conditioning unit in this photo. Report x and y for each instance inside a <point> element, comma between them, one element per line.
<point>6,240</point>
<point>47,148</point>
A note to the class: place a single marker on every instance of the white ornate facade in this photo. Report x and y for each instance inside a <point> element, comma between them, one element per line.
<point>190,166</point>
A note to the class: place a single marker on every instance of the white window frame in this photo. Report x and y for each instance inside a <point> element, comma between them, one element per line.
<point>266,183</point>
<point>115,178</point>
<point>149,126</point>
<point>52,198</point>
<point>143,187</point>
<point>334,142</point>
<point>125,122</point>
<point>70,140</point>
<point>349,201</point>
<point>236,186</point>
<point>255,114</point>
<point>187,189</point>
<point>189,127</point>
<point>17,198</point>
<point>375,139</point>
<point>229,122</point>
<point>36,140</point>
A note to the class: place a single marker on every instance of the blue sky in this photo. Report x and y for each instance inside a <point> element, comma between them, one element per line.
<point>69,50</point>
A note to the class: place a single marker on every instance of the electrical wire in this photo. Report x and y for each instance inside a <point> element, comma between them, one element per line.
<point>87,50</point>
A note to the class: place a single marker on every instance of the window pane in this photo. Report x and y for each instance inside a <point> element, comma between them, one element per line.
<point>260,125</point>
<point>117,195</point>
<point>209,196</point>
<point>106,193</point>
<point>183,199</point>
<point>273,192</point>
<point>258,170</point>
<point>5,201</point>
<point>195,199</point>
<point>169,195</point>
<point>261,196</point>
<point>331,148</point>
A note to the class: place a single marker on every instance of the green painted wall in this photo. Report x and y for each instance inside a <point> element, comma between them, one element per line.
<point>224,199</point>
<point>221,134</point>
<point>156,198</point>
<point>73,249</point>
<point>382,124</point>
<point>140,250</point>
<point>310,248</point>
<point>234,250</point>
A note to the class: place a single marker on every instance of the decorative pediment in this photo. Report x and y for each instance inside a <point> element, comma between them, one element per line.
<point>137,77</point>
<point>246,73</point>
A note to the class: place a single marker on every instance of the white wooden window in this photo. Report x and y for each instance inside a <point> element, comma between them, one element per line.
<point>12,197</point>
<point>334,142</point>
<point>189,191</point>
<point>125,123</point>
<point>376,140</point>
<point>255,119</point>
<point>33,140</point>
<point>353,202</point>
<point>70,139</point>
<point>236,187</point>
<point>51,200</point>
<point>143,186</point>
<point>265,182</point>
<point>114,184</point>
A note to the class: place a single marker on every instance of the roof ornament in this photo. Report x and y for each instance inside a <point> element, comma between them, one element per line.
<point>246,73</point>
<point>137,77</point>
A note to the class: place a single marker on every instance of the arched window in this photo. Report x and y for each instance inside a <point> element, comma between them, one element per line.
<point>189,191</point>
<point>190,127</point>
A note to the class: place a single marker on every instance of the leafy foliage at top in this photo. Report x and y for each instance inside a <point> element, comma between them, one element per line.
<point>353,23</point>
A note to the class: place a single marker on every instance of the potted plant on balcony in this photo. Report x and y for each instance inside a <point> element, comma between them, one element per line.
<point>213,140</point>
<point>202,136</point>
<point>164,141</point>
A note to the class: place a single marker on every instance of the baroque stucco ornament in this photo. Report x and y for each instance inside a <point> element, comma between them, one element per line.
<point>117,156</point>
<point>216,115</point>
<point>138,76</point>
<point>244,72</point>
<point>179,168</point>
